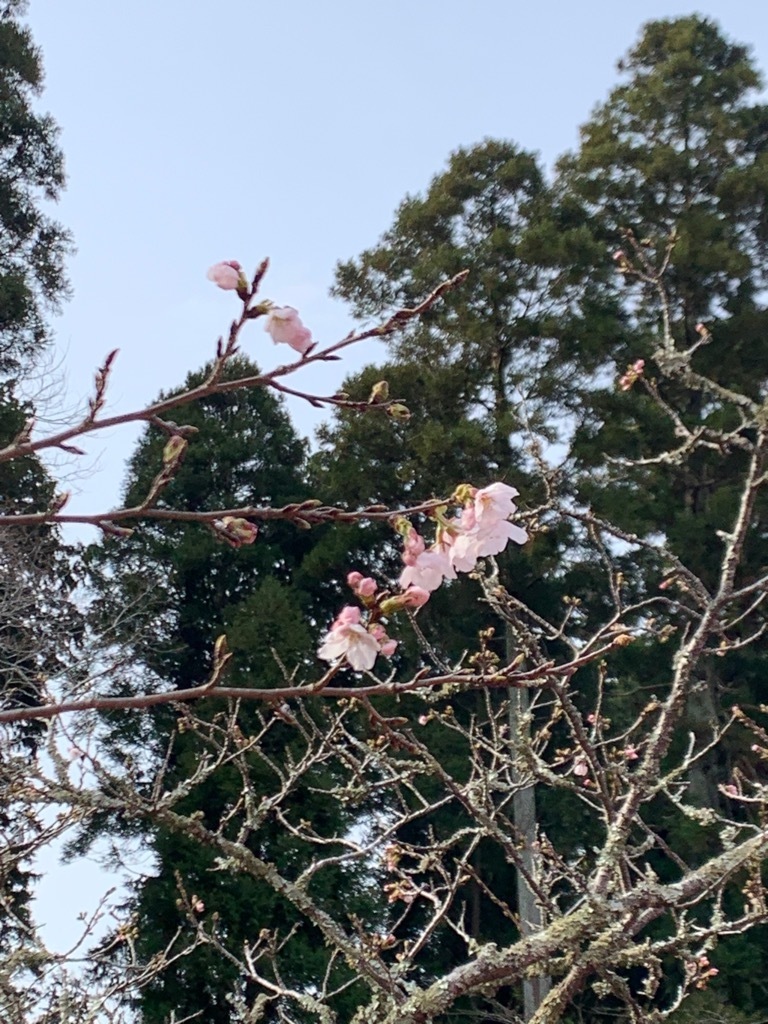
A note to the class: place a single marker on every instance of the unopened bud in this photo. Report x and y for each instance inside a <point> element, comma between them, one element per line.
<point>239,531</point>
<point>398,411</point>
<point>220,650</point>
<point>379,393</point>
<point>174,450</point>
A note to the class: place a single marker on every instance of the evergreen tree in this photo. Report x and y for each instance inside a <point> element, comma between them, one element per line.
<point>184,588</point>
<point>680,148</point>
<point>679,152</point>
<point>39,626</point>
<point>32,245</point>
<point>500,357</point>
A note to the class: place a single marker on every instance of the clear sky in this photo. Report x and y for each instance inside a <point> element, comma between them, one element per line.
<point>196,132</point>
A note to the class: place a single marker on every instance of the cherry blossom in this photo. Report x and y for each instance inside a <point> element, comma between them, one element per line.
<point>285,328</point>
<point>363,586</point>
<point>429,569</point>
<point>386,644</point>
<point>413,546</point>
<point>483,527</point>
<point>228,275</point>
<point>348,638</point>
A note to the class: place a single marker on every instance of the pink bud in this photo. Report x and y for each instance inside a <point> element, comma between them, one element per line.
<point>730,790</point>
<point>388,648</point>
<point>348,616</point>
<point>354,579</point>
<point>226,275</point>
<point>367,587</point>
<point>618,255</point>
<point>580,766</point>
<point>630,753</point>
<point>415,597</point>
<point>413,546</point>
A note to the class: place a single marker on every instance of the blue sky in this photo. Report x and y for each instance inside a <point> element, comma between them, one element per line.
<point>196,132</point>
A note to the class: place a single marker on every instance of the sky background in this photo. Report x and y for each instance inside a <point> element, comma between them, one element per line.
<point>291,129</point>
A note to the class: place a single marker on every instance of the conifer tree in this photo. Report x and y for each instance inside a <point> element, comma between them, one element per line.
<point>185,588</point>
<point>678,148</point>
<point>32,245</point>
<point>677,156</point>
<point>38,625</point>
<point>496,361</point>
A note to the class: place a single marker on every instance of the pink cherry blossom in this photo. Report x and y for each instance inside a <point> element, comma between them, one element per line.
<point>491,539</point>
<point>387,646</point>
<point>350,640</point>
<point>353,578</point>
<point>428,569</point>
<point>227,275</point>
<point>285,328</point>
<point>483,527</point>
<point>348,616</point>
<point>495,502</point>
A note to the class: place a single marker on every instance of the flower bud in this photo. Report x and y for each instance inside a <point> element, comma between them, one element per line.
<point>237,531</point>
<point>379,393</point>
<point>399,412</point>
<point>228,275</point>
<point>174,450</point>
<point>413,597</point>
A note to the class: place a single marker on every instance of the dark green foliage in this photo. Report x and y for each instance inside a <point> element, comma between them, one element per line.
<point>680,148</point>
<point>184,588</point>
<point>39,628</point>
<point>32,245</point>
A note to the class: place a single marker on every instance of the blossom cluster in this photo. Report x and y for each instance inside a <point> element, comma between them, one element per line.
<point>481,528</point>
<point>283,323</point>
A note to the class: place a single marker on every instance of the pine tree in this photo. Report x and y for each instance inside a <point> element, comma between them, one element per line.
<point>32,245</point>
<point>679,153</point>
<point>501,357</point>
<point>184,588</point>
<point>39,626</point>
